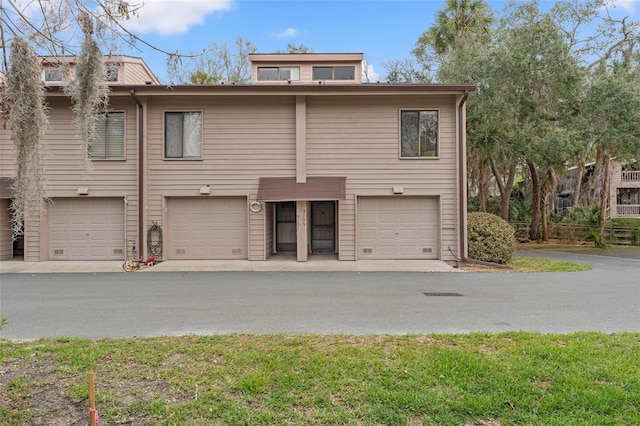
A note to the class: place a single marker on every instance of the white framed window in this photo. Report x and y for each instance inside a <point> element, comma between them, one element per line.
<point>278,73</point>
<point>111,74</point>
<point>52,75</point>
<point>334,73</point>
<point>419,133</point>
<point>109,138</point>
<point>183,135</point>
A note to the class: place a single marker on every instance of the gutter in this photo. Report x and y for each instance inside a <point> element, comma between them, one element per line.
<point>140,171</point>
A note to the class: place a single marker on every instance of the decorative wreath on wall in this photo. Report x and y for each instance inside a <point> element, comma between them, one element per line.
<point>255,206</point>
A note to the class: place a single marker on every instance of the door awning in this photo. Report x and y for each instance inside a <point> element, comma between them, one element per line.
<point>315,189</point>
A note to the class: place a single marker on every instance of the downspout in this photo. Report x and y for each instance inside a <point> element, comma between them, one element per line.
<point>140,172</point>
<point>462,169</point>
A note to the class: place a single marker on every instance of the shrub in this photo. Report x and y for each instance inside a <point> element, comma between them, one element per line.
<point>491,238</point>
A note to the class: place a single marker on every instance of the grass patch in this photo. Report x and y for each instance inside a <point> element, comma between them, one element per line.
<point>497,379</point>
<point>536,264</point>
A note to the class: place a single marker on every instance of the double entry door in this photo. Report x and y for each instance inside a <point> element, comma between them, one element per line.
<point>323,226</point>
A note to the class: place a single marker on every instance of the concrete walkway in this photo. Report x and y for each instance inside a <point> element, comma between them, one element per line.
<point>274,264</point>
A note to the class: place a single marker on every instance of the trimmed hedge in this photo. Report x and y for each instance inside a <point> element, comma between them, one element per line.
<point>491,238</point>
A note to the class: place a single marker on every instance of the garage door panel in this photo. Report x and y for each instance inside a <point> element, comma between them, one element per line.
<point>98,252</point>
<point>386,251</point>
<point>209,228</point>
<point>398,228</point>
<point>78,219</point>
<point>86,229</point>
<point>78,235</point>
<point>99,220</point>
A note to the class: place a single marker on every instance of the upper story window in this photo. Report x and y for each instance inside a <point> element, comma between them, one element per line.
<point>278,73</point>
<point>53,74</point>
<point>109,137</point>
<point>111,74</point>
<point>418,133</point>
<point>334,73</point>
<point>183,135</point>
<point>628,196</point>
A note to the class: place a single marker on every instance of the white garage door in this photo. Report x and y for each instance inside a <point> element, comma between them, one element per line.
<point>86,229</point>
<point>398,228</point>
<point>207,228</point>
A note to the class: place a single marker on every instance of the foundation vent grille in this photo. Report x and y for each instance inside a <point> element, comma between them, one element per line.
<point>439,294</point>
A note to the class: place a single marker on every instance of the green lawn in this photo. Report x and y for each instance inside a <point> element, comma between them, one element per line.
<point>475,379</point>
<point>536,264</point>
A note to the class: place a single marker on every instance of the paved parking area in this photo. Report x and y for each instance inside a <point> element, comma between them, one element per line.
<point>605,299</point>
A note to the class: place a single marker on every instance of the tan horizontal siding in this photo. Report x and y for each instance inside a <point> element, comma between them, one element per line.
<point>257,235</point>
<point>6,240</point>
<point>359,138</point>
<point>133,74</point>
<point>32,233</point>
<point>64,161</point>
<point>243,139</point>
<point>347,229</point>
<point>7,153</point>
<point>131,226</point>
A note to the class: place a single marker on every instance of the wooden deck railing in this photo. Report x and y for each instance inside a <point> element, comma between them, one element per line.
<point>571,233</point>
<point>631,176</point>
<point>628,210</point>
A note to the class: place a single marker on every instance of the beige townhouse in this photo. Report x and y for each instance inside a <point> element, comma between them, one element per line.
<point>306,159</point>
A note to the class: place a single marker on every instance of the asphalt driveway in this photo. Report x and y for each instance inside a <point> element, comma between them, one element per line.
<point>605,299</point>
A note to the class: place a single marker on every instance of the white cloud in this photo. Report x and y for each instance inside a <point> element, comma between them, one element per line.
<point>369,75</point>
<point>174,16</point>
<point>288,33</point>
<point>628,5</point>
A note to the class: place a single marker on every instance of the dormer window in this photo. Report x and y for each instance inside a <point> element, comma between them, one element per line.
<point>111,74</point>
<point>278,73</point>
<point>334,73</point>
<point>53,75</point>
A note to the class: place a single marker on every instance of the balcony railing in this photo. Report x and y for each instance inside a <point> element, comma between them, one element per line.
<point>629,210</point>
<point>631,176</point>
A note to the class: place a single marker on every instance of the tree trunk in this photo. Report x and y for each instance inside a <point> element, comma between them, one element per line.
<point>576,194</point>
<point>482,183</point>
<point>604,198</point>
<point>544,206</point>
<point>534,230</point>
<point>547,188</point>
<point>505,188</point>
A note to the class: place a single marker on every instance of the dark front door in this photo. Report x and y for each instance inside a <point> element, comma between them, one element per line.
<point>286,226</point>
<point>323,227</point>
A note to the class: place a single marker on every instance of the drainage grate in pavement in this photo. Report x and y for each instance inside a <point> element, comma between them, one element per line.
<point>435,294</point>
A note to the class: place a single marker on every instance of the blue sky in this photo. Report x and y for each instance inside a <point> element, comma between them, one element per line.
<point>381,29</point>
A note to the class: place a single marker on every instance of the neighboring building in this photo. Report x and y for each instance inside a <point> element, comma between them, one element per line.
<point>624,199</point>
<point>624,189</point>
<point>306,159</point>
<point>119,70</point>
